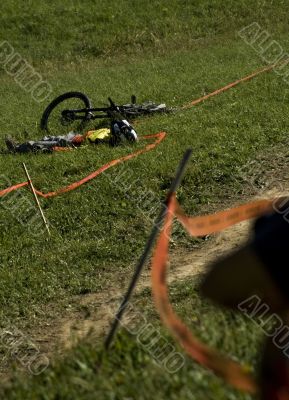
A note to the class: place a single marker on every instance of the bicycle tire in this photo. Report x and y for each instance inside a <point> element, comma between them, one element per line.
<point>68,95</point>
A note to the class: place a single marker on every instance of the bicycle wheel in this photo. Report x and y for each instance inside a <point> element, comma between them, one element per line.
<point>55,123</point>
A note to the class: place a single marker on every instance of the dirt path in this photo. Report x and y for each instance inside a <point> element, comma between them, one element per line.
<point>92,313</point>
<point>99,308</point>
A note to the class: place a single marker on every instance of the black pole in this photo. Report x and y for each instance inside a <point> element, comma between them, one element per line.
<point>140,265</point>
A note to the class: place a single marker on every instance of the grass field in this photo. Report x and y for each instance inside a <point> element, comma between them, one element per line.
<point>169,52</point>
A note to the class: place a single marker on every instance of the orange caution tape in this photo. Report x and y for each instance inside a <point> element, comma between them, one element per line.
<point>13,188</point>
<point>57,148</point>
<point>232,372</point>
<point>158,138</point>
<point>233,84</point>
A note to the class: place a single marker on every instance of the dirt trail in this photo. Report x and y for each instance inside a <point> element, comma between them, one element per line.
<point>100,307</point>
<point>93,312</point>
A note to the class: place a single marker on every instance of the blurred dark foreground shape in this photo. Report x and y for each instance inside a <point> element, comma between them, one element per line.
<point>254,281</point>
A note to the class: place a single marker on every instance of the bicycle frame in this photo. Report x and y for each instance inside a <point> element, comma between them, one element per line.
<point>89,112</point>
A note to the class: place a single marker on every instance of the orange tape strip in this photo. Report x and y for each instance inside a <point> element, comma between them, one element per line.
<point>12,188</point>
<point>159,137</point>
<point>233,84</point>
<point>229,370</point>
<point>205,225</point>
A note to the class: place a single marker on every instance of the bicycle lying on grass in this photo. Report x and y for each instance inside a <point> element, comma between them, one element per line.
<point>72,110</point>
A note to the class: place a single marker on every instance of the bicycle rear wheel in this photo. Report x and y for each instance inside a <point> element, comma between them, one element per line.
<point>55,123</point>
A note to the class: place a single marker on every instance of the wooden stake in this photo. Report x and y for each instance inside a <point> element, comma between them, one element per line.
<point>36,199</point>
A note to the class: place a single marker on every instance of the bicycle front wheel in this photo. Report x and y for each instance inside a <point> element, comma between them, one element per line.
<point>56,122</point>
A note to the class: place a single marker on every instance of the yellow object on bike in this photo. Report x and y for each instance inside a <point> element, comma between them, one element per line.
<point>98,135</point>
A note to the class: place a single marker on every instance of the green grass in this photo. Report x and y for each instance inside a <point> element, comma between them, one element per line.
<point>168,52</point>
<point>64,31</point>
<point>130,370</point>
